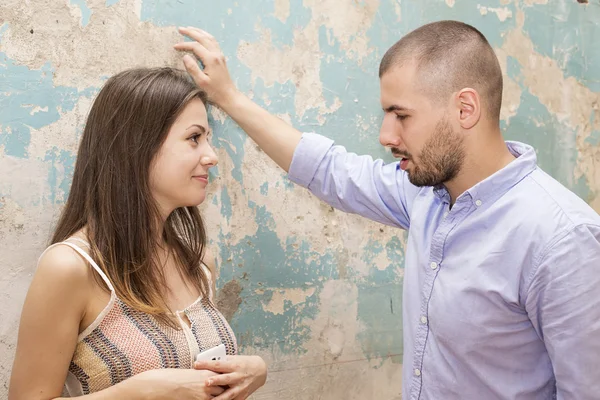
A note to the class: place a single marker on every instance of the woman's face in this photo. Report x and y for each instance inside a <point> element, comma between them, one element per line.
<point>179,173</point>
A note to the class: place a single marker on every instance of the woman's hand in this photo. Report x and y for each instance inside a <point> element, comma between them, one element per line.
<point>242,375</point>
<point>172,383</point>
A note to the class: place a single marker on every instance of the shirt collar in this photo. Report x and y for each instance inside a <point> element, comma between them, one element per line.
<point>501,181</point>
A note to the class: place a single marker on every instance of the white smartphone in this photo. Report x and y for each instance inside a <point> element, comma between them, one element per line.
<point>217,353</point>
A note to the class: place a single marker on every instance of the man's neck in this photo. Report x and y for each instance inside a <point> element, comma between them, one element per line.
<point>482,161</point>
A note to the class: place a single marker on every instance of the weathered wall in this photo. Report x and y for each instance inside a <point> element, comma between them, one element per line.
<point>315,291</point>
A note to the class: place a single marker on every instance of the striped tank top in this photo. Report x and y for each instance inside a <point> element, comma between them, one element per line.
<point>123,342</point>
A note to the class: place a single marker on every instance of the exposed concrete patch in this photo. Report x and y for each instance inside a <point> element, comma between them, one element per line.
<point>511,95</point>
<point>340,359</point>
<point>24,231</point>
<point>502,13</point>
<point>299,63</point>
<point>282,9</point>
<point>295,296</point>
<point>566,97</point>
<point>333,337</point>
<point>218,114</point>
<point>12,219</point>
<point>299,213</point>
<point>242,221</point>
<point>228,299</point>
<point>114,40</point>
<point>532,2</point>
<point>334,354</point>
<point>76,12</point>
<point>348,20</point>
<point>356,232</point>
<point>569,100</point>
<point>398,9</point>
<point>340,299</point>
<point>35,109</point>
<point>66,131</point>
<point>21,178</point>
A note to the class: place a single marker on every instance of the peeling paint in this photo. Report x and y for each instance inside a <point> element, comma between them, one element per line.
<point>502,13</point>
<point>511,95</point>
<point>398,9</point>
<point>532,2</point>
<point>11,217</point>
<point>228,299</point>
<point>66,131</point>
<point>568,100</point>
<point>299,63</point>
<point>294,296</point>
<point>80,10</point>
<point>61,42</point>
<point>35,109</point>
<point>282,9</point>
<point>316,292</point>
<point>348,21</point>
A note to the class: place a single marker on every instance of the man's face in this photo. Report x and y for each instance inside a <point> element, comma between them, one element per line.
<point>417,130</point>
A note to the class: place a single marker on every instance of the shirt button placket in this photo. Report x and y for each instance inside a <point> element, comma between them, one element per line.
<point>423,328</point>
<point>424,320</point>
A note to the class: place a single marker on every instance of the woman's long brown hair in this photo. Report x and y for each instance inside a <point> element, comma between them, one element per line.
<point>110,195</point>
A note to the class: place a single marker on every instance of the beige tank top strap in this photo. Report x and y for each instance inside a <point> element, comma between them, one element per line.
<point>89,259</point>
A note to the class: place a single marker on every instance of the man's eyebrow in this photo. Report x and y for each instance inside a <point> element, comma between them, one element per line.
<point>395,107</point>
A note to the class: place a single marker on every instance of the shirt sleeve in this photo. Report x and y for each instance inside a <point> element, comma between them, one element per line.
<point>352,183</point>
<point>563,303</point>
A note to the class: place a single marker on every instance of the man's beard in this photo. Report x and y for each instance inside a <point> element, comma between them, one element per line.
<point>441,158</point>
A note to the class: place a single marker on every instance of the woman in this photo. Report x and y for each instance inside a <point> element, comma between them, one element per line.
<point>120,304</point>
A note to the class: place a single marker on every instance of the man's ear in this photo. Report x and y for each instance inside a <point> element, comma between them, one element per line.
<point>468,107</point>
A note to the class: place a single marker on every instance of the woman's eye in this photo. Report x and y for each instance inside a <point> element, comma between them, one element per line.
<point>195,138</point>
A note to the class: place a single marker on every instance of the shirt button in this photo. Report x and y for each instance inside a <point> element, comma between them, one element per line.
<point>417,372</point>
<point>445,214</point>
<point>478,203</point>
<point>433,265</point>
<point>423,320</point>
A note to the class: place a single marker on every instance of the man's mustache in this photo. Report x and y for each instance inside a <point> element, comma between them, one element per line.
<point>400,153</point>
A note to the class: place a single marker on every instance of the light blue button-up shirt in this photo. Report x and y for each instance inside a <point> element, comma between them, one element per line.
<point>501,292</point>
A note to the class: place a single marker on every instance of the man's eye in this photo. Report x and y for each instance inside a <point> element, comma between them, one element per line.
<point>401,117</point>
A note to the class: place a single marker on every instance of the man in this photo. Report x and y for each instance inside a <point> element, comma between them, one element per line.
<point>502,272</point>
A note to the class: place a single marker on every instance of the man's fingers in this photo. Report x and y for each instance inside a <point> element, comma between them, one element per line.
<point>203,37</point>
<point>194,70</point>
<point>198,49</point>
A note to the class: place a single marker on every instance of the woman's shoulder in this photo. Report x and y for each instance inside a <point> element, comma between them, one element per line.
<point>61,284</point>
<point>63,265</point>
